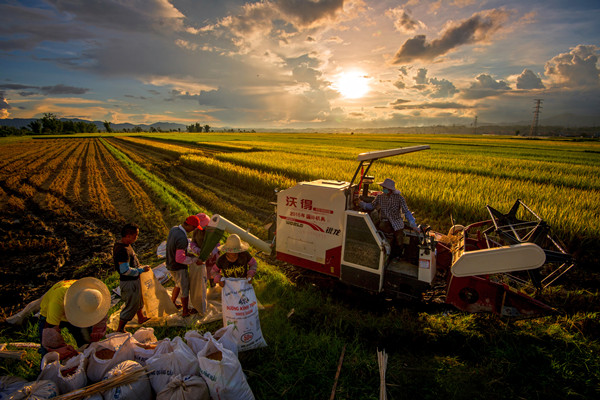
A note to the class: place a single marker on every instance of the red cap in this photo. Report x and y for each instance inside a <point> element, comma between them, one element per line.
<point>193,221</point>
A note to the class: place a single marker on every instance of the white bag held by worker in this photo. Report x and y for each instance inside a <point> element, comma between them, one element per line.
<point>157,302</point>
<point>38,390</point>
<point>185,388</point>
<point>223,373</point>
<point>138,390</point>
<point>68,377</point>
<point>172,358</point>
<point>10,384</point>
<point>240,308</point>
<point>197,274</point>
<point>104,355</point>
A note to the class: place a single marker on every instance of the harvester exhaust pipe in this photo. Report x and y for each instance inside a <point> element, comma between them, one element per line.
<point>224,224</point>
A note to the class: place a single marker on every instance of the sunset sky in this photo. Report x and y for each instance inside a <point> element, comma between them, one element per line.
<point>299,63</point>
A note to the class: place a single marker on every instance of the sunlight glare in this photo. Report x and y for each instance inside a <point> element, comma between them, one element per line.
<point>352,84</point>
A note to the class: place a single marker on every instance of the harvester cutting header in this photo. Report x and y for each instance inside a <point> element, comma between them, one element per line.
<point>321,228</point>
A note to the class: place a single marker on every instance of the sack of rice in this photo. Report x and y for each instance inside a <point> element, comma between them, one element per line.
<point>67,377</point>
<point>185,388</point>
<point>171,358</point>
<point>104,355</point>
<point>10,384</point>
<point>145,335</point>
<point>240,307</point>
<point>40,390</point>
<point>195,340</point>
<point>138,390</point>
<point>223,373</point>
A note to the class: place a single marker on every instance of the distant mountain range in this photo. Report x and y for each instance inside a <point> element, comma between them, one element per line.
<point>163,126</point>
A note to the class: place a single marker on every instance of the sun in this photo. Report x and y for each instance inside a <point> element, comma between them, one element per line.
<point>352,84</point>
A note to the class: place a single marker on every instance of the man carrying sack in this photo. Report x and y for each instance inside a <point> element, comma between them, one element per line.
<point>80,306</point>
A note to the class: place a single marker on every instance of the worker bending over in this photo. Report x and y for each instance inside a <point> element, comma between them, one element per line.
<point>80,306</point>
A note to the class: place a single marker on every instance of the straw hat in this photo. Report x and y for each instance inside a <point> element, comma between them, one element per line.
<point>204,219</point>
<point>388,184</point>
<point>86,302</point>
<point>234,244</point>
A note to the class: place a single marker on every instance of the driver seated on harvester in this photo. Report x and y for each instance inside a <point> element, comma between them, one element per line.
<point>392,205</point>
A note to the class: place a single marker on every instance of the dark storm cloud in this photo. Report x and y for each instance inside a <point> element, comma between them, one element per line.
<point>309,12</point>
<point>479,28</point>
<point>529,80</point>
<point>132,15</point>
<point>47,90</point>
<point>23,28</point>
<point>3,103</point>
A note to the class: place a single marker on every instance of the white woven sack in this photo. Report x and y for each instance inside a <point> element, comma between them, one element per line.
<point>185,388</point>
<point>138,390</point>
<point>223,373</point>
<point>10,384</point>
<point>226,338</point>
<point>121,344</point>
<point>145,335</point>
<point>240,308</point>
<point>195,340</point>
<point>39,390</point>
<point>171,358</point>
<point>52,370</point>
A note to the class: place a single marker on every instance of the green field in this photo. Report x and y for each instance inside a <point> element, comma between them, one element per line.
<point>434,352</point>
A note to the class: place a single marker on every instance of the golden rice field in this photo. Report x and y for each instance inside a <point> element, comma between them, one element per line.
<point>96,184</point>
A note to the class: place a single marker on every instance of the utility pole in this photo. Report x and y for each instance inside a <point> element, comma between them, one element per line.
<point>536,117</point>
<point>475,126</point>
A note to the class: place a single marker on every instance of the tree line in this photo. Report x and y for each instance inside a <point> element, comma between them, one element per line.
<point>49,124</point>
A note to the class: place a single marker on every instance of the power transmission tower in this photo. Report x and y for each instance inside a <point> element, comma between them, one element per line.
<point>536,117</point>
<point>475,126</point>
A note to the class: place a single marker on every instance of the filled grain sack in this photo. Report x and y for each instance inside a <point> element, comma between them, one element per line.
<point>67,377</point>
<point>39,390</point>
<point>172,358</point>
<point>9,385</point>
<point>240,308</point>
<point>185,388</point>
<point>223,373</point>
<point>104,355</point>
<point>138,390</point>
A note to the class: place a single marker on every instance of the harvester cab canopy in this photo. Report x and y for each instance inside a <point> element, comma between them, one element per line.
<point>367,159</point>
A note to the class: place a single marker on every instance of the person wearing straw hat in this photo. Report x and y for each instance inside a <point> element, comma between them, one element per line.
<point>178,261</point>
<point>128,266</point>
<point>235,263</point>
<point>79,305</point>
<point>392,205</point>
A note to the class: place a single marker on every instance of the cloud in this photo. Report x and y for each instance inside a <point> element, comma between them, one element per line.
<point>421,76</point>
<point>485,86</point>
<point>4,107</point>
<point>443,88</point>
<point>477,29</point>
<point>432,105</point>
<point>403,22</point>
<point>306,13</point>
<point>577,68</point>
<point>46,90</point>
<point>529,80</point>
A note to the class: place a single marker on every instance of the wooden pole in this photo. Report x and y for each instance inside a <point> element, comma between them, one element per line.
<point>337,374</point>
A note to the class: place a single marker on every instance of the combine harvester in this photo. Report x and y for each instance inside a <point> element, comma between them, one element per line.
<point>496,265</point>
